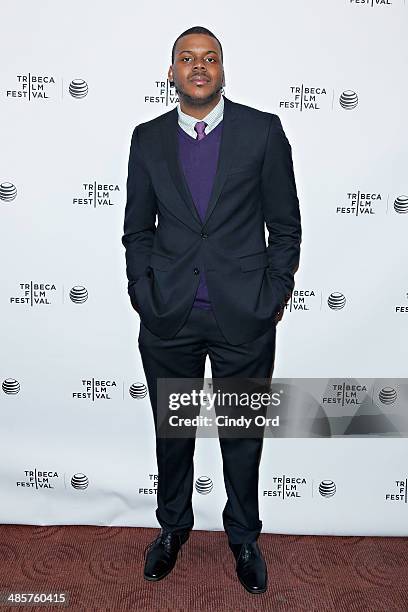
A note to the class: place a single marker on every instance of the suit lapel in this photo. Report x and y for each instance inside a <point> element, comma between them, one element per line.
<point>170,148</point>
<point>227,146</point>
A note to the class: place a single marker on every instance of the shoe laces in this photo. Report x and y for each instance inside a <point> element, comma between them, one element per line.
<point>245,553</point>
<point>164,539</point>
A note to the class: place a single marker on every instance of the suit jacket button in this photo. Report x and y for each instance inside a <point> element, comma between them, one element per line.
<point>204,235</point>
<point>196,271</point>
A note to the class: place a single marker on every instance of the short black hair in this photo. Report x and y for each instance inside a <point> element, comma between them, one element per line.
<point>195,30</point>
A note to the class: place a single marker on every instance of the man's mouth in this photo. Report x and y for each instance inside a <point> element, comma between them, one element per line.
<point>200,80</point>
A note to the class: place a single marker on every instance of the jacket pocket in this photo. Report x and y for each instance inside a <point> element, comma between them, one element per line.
<point>252,168</point>
<point>253,262</point>
<point>160,262</point>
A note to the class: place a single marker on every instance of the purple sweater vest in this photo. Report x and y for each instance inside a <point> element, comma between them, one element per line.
<point>199,159</point>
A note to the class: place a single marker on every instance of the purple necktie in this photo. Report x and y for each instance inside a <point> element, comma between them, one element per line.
<point>199,128</point>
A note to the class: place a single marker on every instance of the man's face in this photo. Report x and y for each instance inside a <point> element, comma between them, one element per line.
<point>197,71</point>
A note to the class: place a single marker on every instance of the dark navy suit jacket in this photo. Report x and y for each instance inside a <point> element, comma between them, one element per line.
<point>248,281</point>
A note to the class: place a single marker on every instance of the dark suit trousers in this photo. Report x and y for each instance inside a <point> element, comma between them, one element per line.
<point>184,357</point>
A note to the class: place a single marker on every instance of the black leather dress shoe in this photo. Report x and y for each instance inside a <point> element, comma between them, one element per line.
<point>251,567</point>
<point>162,554</point>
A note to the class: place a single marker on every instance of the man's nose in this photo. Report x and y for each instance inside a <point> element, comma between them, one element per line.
<point>198,64</point>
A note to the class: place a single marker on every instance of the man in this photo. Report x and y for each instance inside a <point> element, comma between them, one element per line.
<point>214,172</point>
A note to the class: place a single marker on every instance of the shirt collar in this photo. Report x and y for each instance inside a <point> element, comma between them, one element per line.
<point>214,117</point>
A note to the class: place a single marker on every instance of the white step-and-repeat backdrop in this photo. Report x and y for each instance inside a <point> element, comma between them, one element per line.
<point>77,438</point>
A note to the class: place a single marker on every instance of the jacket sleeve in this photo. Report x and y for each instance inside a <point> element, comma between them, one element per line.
<point>140,214</point>
<point>281,212</point>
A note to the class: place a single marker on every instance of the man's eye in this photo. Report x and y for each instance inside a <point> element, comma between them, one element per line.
<point>210,59</point>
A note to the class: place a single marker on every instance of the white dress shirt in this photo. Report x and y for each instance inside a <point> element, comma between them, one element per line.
<point>214,117</point>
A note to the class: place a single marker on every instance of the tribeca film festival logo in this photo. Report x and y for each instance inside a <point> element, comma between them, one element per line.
<point>34,294</point>
<point>400,493</point>
<point>288,487</point>
<point>49,479</point>
<point>151,488</point>
<point>97,389</point>
<point>33,87</point>
<point>40,294</point>
<point>303,300</point>
<point>203,485</point>
<point>311,98</point>
<point>359,203</point>
<point>345,394</point>
<point>97,195</point>
<point>94,390</point>
<point>164,94</point>
<point>303,98</point>
<point>285,487</point>
<point>39,479</point>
